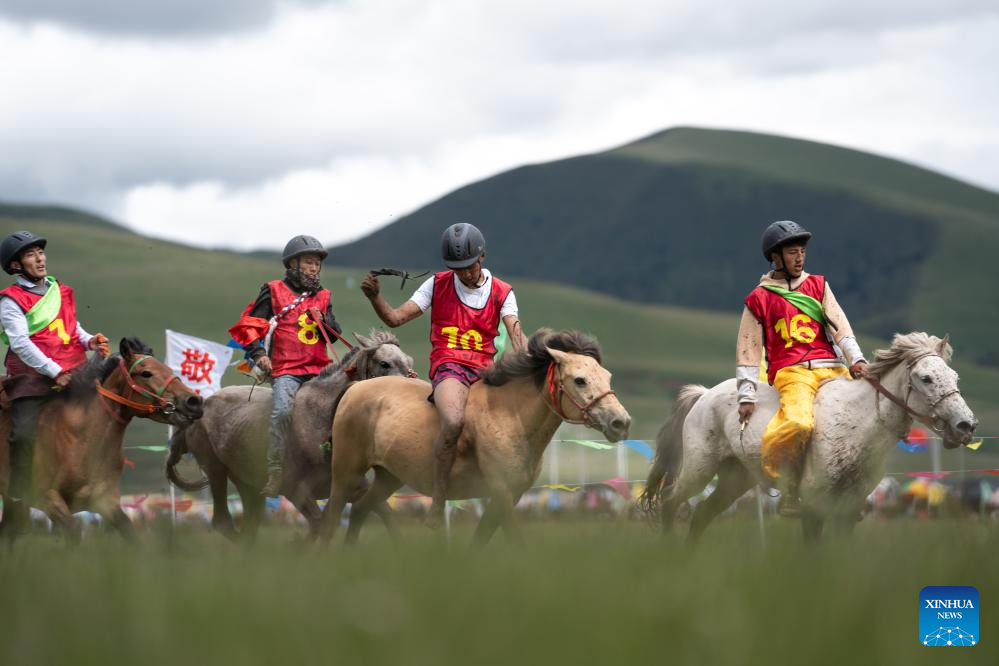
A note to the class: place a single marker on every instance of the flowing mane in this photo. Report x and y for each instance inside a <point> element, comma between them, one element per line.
<point>534,361</point>
<point>81,387</point>
<point>908,347</point>
<point>378,337</point>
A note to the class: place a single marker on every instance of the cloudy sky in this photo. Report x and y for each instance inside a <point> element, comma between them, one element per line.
<point>239,122</point>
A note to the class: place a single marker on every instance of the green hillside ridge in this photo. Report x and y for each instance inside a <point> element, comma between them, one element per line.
<point>130,285</point>
<point>676,219</point>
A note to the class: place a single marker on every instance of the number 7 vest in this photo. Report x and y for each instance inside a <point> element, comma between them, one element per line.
<point>296,347</point>
<point>60,340</point>
<point>790,336</point>
<point>459,333</point>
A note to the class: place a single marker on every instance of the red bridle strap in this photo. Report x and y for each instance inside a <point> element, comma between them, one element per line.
<point>556,391</point>
<point>140,407</point>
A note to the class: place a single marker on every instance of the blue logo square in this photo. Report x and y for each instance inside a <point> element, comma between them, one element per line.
<point>948,616</point>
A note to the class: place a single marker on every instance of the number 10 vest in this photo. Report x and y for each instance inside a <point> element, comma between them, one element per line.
<point>461,334</point>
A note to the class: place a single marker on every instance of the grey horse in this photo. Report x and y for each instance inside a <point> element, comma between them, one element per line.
<point>230,441</point>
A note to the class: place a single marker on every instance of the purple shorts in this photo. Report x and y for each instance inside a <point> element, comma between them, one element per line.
<point>463,374</point>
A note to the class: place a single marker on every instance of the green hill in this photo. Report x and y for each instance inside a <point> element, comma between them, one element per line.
<point>676,218</point>
<point>130,285</point>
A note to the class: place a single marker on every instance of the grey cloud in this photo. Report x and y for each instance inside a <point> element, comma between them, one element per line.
<point>162,18</point>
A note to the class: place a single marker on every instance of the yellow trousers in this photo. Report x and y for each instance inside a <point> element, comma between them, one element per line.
<point>790,429</point>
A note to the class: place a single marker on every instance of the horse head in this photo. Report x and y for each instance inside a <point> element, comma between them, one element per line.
<point>934,391</point>
<point>380,355</point>
<point>151,382</point>
<point>587,386</point>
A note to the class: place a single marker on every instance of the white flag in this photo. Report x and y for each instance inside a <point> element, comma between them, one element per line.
<point>198,363</point>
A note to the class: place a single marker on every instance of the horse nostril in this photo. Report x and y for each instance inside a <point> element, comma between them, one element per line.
<point>964,426</point>
<point>194,401</point>
<point>618,424</point>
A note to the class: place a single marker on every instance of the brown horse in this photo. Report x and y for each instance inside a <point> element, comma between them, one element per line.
<point>230,442</point>
<point>78,454</point>
<point>388,425</point>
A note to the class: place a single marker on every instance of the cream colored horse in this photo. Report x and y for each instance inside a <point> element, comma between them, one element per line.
<point>855,429</point>
<point>387,424</point>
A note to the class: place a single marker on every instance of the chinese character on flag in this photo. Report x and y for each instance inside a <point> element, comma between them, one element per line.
<point>198,363</point>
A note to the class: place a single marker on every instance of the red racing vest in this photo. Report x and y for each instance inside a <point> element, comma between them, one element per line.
<point>790,336</point>
<point>297,346</point>
<point>60,340</point>
<point>460,334</point>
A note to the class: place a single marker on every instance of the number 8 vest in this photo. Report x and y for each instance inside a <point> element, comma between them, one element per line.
<point>462,334</point>
<point>296,347</point>
<point>791,337</point>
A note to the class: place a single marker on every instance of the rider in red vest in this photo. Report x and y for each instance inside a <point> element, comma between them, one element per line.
<point>45,343</point>
<point>284,342</point>
<point>467,304</point>
<point>793,318</point>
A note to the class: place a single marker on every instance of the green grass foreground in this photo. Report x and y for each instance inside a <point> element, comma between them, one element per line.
<point>583,593</point>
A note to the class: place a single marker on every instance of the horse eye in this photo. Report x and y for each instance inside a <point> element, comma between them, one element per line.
<point>580,381</point>
<point>385,365</point>
<point>146,374</point>
<point>927,379</point>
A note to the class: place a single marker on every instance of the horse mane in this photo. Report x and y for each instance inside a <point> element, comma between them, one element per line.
<point>81,387</point>
<point>908,347</point>
<point>534,361</point>
<point>379,337</point>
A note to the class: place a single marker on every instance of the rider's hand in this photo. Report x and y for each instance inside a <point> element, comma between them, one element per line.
<point>99,343</point>
<point>746,410</point>
<point>264,363</point>
<point>370,286</point>
<point>412,374</point>
<point>62,380</point>
<point>858,369</point>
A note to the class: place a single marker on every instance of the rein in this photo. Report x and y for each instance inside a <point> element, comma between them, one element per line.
<point>158,405</point>
<point>556,393</point>
<point>929,420</point>
<point>326,329</point>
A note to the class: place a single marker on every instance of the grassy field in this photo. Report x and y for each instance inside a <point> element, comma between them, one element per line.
<point>583,593</point>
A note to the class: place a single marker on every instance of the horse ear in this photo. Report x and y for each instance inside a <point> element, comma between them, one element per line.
<point>125,349</point>
<point>559,356</point>
<point>364,341</point>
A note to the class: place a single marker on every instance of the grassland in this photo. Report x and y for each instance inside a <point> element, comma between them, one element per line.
<point>582,593</point>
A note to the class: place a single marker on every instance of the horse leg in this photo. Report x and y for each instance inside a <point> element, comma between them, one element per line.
<point>339,496</point>
<point>58,511</point>
<point>373,499</point>
<point>253,511</point>
<point>692,479</point>
<point>811,525</point>
<point>222,521</point>
<point>733,481</point>
<point>498,512</point>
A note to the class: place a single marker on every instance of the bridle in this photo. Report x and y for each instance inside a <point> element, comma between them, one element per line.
<point>556,391</point>
<point>930,420</point>
<point>158,404</point>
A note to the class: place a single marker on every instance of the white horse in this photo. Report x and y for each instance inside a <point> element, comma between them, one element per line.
<point>855,429</point>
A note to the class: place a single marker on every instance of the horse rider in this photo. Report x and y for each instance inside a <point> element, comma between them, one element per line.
<point>45,343</point>
<point>283,341</point>
<point>796,312</point>
<point>467,304</point>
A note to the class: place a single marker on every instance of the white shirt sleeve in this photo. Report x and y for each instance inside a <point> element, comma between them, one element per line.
<point>509,305</point>
<point>424,295</point>
<point>15,325</point>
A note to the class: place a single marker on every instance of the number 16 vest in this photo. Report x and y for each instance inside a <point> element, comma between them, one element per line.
<point>461,334</point>
<point>791,337</point>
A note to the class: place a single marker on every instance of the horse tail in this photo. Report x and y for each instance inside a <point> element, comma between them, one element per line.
<point>669,448</point>
<point>178,447</point>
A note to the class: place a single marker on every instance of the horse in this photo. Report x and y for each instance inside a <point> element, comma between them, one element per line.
<point>78,454</point>
<point>857,424</point>
<point>387,425</point>
<point>230,441</point>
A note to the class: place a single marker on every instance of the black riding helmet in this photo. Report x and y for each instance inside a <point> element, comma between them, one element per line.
<point>300,245</point>
<point>779,234</point>
<point>16,243</point>
<point>461,245</point>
